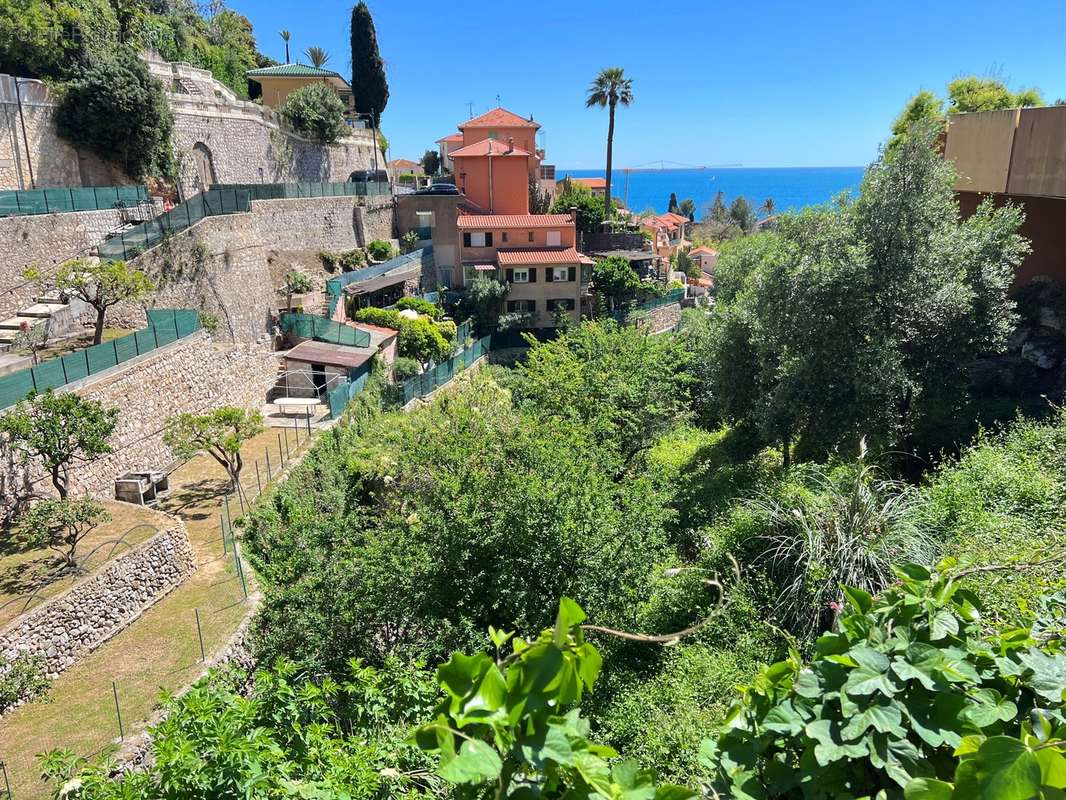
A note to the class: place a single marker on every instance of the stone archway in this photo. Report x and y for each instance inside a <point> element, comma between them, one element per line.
<point>205,166</point>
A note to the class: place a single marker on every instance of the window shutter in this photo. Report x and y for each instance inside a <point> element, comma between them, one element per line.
<point>571,274</point>
<point>570,305</point>
<point>532,275</point>
<point>532,305</point>
<point>511,304</point>
<point>488,240</point>
<point>510,276</point>
<point>549,275</point>
<point>466,240</point>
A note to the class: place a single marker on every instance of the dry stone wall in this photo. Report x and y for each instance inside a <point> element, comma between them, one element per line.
<point>192,375</point>
<point>662,318</point>
<point>45,240</point>
<point>67,628</point>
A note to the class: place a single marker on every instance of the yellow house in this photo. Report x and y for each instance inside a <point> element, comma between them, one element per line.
<point>281,81</point>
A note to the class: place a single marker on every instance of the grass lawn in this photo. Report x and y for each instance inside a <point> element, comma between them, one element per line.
<point>61,347</point>
<point>160,650</point>
<point>29,577</point>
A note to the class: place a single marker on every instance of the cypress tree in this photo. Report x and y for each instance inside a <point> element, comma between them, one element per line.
<point>369,86</point>
<point>672,207</point>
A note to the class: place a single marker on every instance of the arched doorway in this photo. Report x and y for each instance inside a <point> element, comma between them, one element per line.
<point>205,166</point>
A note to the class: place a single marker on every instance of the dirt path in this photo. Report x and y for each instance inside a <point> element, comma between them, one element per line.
<point>161,650</point>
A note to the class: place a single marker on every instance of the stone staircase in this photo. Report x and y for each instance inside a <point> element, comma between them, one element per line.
<point>189,86</point>
<point>41,312</point>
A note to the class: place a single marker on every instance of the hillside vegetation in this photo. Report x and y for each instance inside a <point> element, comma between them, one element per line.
<point>626,568</point>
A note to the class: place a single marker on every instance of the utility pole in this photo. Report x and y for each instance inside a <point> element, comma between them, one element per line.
<point>25,138</point>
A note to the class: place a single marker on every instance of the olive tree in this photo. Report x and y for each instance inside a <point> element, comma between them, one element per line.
<point>59,430</point>
<point>220,434</point>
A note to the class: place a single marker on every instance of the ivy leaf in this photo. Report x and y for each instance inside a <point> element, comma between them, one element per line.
<point>1052,767</point>
<point>783,718</point>
<point>989,707</point>
<point>830,747</point>
<point>871,675</point>
<point>1049,674</point>
<point>927,789</point>
<point>807,684</point>
<point>635,783</point>
<point>475,763</point>
<point>861,600</point>
<point>1002,768</point>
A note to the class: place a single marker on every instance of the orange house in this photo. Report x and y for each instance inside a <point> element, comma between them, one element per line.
<point>534,254</point>
<point>496,160</point>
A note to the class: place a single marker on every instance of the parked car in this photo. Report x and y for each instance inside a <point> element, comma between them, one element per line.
<point>369,176</point>
<point>440,188</point>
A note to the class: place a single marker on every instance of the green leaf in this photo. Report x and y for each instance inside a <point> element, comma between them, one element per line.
<point>927,789</point>
<point>570,614</point>
<point>860,600</point>
<point>635,783</point>
<point>1052,767</point>
<point>1003,768</point>
<point>1049,673</point>
<point>671,791</point>
<point>830,748</point>
<point>943,625</point>
<point>882,717</point>
<point>476,762</point>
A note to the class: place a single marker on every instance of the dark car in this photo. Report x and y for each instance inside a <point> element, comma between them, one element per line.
<point>440,188</point>
<point>369,176</point>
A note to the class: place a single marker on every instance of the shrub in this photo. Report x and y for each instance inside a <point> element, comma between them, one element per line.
<point>352,260</point>
<point>420,339</point>
<point>382,317</point>
<point>848,531</point>
<point>448,329</point>
<point>421,306</point>
<point>317,112</point>
<point>380,250</point>
<point>483,300</point>
<point>23,678</point>
<point>408,242</point>
<point>405,368</point>
<point>329,260</point>
<point>209,322</point>
<point>117,110</point>
<point>906,682</point>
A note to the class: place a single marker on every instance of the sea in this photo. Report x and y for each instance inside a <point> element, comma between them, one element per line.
<point>791,188</point>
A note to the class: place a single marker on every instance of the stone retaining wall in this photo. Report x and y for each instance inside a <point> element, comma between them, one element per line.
<point>45,240</point>
<point>68,627</point>
<point>192,375</point>
<point>660,319</point>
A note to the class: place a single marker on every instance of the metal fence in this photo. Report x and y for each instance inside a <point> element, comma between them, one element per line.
<point>673,296</point>
<point>339,398</point>
<point>282,191</point>
<point>335,286</point>
<point>164,326</point>
<point>308,326</point>
<point>55,201</point>
<point>430,380</point>
<point>141,237</point>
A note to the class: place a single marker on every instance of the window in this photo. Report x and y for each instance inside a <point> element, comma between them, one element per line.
<point>520,276</point>
<point>554,238</point>
<point>492,134</point>
<point>531,236</point>
<point>520,306</point>
<point>444,276</point>
<point>560,274</point>
<point>503,236</point>
<point>566,303</point>
<point>477,240</point>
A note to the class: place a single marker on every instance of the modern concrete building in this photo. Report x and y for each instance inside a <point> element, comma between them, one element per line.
<point>1017,156</point>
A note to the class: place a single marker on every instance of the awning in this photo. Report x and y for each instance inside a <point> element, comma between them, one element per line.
<point>406,273</point>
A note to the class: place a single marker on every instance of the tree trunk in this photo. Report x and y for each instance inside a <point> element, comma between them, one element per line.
<point>98,334</point>
<point>610,148</point>
<point>786,450</point>
<point>60,481</point>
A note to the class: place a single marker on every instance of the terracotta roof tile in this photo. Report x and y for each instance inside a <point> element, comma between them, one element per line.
<point>488,147</point>
<point>499,118</point>
<point>708,250</point>
<point>451,137</point>
<point>537,255</point>
<point>489,221</point>
<point>592,183</point>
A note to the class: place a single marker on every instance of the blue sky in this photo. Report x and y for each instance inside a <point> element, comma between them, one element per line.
<point>775,83</point>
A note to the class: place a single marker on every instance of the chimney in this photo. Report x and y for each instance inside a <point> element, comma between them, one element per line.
<point>510,145</point>
<point>573,214</point>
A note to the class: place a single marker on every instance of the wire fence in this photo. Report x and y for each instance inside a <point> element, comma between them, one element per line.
<point>54,201</point>
<point>164,326</point>
<point>335,286</point>
<point>308,326</point>
<point>139,238</point>
<point>281,191</point>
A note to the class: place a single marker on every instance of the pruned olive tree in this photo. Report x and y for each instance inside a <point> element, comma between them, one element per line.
<point>220,434</point>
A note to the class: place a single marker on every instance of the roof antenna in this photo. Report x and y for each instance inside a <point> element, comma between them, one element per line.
<point>498,102</point>
<point>469,109</point>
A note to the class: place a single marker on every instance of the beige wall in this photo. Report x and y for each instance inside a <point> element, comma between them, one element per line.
<point>980,145</point>
<point>276,89</point>
<point>1038,165</point>
<point>541,291</point>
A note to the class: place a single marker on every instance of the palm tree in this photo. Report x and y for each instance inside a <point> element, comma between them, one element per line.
<point>317,56</point>
<point>767,207</point>
<point>285,36</point>
<point>610,88</point>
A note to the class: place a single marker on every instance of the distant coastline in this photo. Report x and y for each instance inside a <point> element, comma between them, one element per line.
<point>789,187</point>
